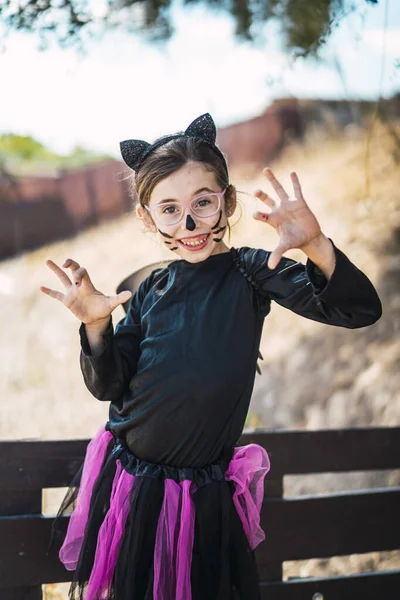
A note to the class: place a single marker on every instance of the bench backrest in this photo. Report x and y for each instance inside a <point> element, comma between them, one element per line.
<point>299,528</point>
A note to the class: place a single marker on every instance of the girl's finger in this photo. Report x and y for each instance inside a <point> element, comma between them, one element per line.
<point>274,259</point>
<point>120,299</point>
<point>276,256</point>
<point>63,277</point>
<point>52,293</point>
<point>275,184</point>
<point>265,198</point>
<point>71,264</point>
<point>259,216</point>
<point>81,275</point>
<point>296,186</point>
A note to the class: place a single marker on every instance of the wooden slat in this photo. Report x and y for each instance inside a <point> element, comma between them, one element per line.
<point>272,571</point>
<point>15,503</point>
<point>32,465</point>
<point>23,553</point>
<point>338,524</point>
<point>368,586</point>
<point>273,487</point>
<point>22,593</point>
<point>41,464</point>
<point>301,452</point>
<point>331,525</point>
<point>21,503</point>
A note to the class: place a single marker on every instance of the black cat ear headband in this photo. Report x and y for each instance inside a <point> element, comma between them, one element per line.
<point>134,152</point>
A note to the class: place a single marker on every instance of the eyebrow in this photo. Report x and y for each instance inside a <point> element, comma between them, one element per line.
<point>203,189</point>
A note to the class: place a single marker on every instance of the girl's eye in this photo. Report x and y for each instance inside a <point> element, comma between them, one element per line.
<point>169,210</point>
<point>202,202</point>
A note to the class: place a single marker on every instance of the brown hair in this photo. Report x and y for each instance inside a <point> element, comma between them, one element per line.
<point>173,155</point>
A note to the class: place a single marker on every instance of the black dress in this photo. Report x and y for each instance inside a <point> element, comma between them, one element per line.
<point>178,372</point>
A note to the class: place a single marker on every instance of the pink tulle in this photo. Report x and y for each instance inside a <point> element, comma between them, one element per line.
<point>175,531</point>
<point>95,452</point>
<point>110,536</point>
<point>247,470</point>
<point>174,543</point>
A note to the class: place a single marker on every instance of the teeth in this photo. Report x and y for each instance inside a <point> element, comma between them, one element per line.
<point>197,243</point>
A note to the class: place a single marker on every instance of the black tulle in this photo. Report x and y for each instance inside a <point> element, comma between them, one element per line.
<point>223,564</point>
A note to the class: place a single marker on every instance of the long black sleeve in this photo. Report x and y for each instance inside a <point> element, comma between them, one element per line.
<point>107,376</point>
<point>347,299</point>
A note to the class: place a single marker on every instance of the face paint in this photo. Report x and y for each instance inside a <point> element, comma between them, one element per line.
<point>174,248</point>
<point>217,239</point>
<point>219,219</point>
<point>220,229</point>
<point>165,234</point>
<point>190,224</point>
<point>165,242</point>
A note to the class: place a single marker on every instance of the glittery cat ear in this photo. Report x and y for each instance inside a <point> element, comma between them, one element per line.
<point>132,152</point>
<point>204,128</point>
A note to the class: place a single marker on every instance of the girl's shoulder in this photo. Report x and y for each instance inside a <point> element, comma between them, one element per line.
<point>253,264</point>
<point>250,262</point>
<point>154,277</point>
<point>249,258</point>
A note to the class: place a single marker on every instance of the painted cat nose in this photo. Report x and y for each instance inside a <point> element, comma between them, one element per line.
<point>190,224</point>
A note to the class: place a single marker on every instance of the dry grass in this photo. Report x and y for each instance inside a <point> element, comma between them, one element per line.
<point>313,375</point>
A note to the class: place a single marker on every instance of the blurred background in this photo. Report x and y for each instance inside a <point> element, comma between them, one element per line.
<point>305,85</point>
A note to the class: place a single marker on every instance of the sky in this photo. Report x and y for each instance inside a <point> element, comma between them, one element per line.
<point>126,88</point>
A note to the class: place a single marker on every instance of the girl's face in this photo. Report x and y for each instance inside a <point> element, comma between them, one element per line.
<point>193,238</point>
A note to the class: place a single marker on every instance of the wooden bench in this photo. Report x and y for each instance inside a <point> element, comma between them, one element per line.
<point>304,527</point>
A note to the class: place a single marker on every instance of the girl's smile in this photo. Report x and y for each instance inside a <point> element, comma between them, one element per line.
<point>194,243</point>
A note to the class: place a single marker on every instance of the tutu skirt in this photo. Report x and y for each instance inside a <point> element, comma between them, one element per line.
<point>144,531</point>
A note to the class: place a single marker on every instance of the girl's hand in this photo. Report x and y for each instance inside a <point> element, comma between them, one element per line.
<point>88,304</point>
<point>293,220</point>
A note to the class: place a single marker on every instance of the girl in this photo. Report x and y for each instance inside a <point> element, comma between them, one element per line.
<point>166,507</point>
